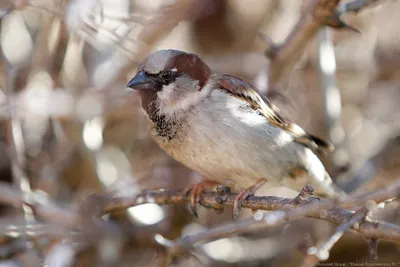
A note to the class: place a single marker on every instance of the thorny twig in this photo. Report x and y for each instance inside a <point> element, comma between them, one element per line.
<point>299,207</point>
<point>304,205</point>
<point>317,14</point>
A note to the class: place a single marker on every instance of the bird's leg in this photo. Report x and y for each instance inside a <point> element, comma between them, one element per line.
<point>243,194</point>
<point>195,192</point>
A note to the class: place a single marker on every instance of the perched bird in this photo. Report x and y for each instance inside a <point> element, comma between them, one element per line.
<point>223,128</point>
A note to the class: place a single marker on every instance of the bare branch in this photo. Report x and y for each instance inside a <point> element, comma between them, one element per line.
<point>16,144</point>
<point>152,33</point>
<point>300,206</point>
<point>288,208</point>
<point>356,5</point>
<point>322,253</point>
<point>317,14</point>
<point>290,51</point>
<point>373,248</point>
<point>332,98</point>
<point>86,215</point>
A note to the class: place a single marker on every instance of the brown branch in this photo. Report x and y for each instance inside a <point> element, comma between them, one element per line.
<point>322,253</point>
<point>86,215</point>
<point>15,142</point>
<point>156,29</point>
<point>304,205</point>
<point>317,14</point>
<point>373,248</point>
<point>289,52</point>
<point>297,207</point>
<point>356,5</point>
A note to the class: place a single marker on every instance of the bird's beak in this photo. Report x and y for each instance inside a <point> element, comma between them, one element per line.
<point>142,82</point>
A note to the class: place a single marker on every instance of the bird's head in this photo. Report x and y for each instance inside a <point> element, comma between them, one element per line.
<point>171,79</point>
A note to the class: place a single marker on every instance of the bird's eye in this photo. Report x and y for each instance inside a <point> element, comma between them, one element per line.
<point>167,75</point>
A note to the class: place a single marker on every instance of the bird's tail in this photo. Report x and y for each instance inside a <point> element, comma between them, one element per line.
<point>319,178</point>
<point>329,189</point>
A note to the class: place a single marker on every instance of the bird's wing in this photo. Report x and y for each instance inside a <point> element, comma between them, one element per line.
<point>245,91</point>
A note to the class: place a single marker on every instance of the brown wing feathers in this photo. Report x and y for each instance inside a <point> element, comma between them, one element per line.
<point>259,102</point>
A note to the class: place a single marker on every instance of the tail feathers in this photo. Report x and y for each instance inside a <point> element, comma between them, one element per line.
<point>322,144</point>
<point>329,189</point>
<point>316,174</point>
<point>315,143</point>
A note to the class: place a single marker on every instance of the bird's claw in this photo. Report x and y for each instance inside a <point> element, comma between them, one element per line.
<point>195,191</point>
<point>243,195</point>
<point>237,204</point>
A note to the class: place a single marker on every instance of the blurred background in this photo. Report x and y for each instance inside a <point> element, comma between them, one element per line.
<point>71,128</point>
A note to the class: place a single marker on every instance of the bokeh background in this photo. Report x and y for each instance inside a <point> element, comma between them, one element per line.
<point>71,128</point>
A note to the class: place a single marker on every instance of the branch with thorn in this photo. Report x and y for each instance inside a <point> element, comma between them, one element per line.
<point>317,14</point>
<point>305,205</point>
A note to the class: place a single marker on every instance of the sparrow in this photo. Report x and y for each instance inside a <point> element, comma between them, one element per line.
<point>222,127</point>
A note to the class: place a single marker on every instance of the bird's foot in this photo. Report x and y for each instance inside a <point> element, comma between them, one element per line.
<point>195,191</point>
<point>243,194</point>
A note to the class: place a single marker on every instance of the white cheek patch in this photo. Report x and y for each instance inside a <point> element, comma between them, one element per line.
<point>190,97</point>
<point>174,101</point>
<point>166,94</point>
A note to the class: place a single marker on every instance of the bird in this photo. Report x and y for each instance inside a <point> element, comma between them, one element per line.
<point>226,130</point>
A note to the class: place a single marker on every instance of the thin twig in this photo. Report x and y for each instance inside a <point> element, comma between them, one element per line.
<point>372,248</point>
<point>322,253</point>
<point>332,97</point>
<point>356,5</point>
<point>289,52</point>
<point>317,14</point>
<point>157,28</point>
<point>296,208</point>
<point>86,215</point>
<point>16,144</point>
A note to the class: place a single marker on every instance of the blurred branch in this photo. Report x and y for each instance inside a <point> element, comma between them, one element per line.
<point>317,14</point>
<point>332,98</point>
<point>156,29</point>
<point>289,52</point>
<point>84,217</point>
<point>356,5</point>
<point>54,7</point>
<point>373,248</point>
<point>322,253</point>
<point>16,146</point>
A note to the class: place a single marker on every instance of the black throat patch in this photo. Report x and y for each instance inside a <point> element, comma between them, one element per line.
<point>166,129</point>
